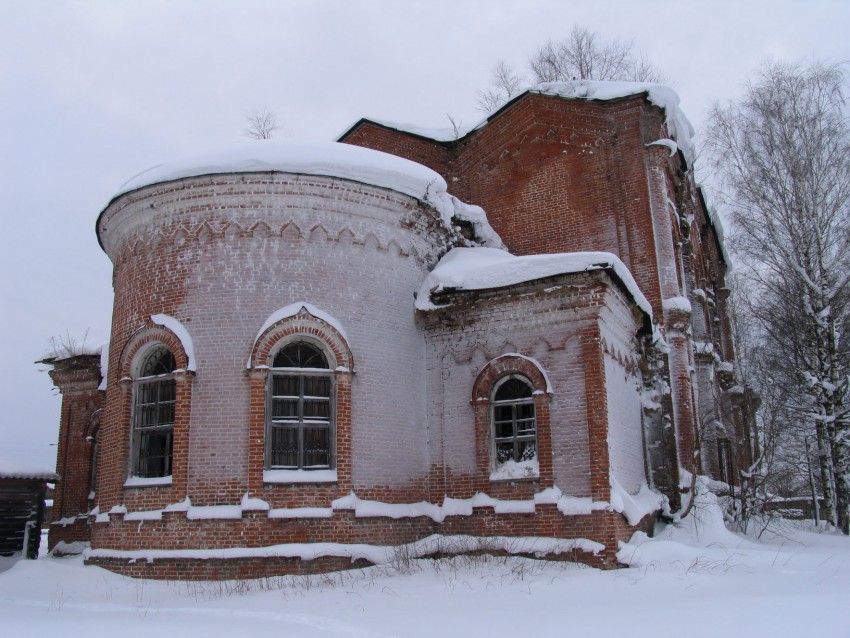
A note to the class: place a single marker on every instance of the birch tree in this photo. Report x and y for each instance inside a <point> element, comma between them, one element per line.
<point>782,155</point>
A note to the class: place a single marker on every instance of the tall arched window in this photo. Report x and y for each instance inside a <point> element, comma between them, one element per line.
<point>514,423</point>
<point>153,414</point>
<point>299,424</point>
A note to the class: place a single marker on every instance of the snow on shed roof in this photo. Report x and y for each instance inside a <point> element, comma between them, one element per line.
<point>487,268</point>
<point>17,470</point>
<point>678,125</point>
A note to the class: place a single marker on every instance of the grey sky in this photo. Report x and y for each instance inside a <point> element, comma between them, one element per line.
<point>93,92</point>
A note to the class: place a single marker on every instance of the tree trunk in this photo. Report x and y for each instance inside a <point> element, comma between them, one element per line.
<point>827,474</point>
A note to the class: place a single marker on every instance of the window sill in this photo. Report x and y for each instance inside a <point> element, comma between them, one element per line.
<point>516,471</point>
<point>156,481</point>
<point>513,479</point>
<point>299,476</point>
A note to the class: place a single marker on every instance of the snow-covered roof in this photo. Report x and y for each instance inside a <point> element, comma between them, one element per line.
<point>330,159</point>
<point>662,96</point>
<point>678,125</point>
<point>63,350</point>
<point>60,351</point>
<point>444,134</point>
<point>17,470</point>
<point>488,268</point>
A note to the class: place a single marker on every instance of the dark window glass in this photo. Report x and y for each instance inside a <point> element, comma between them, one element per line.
<point>513,389</point>
<point>159,361</point>
<point>300,355</point>
<point>300,425</point>
<point>514,422</point>
<point>153,417</point>
<point>284,449</point>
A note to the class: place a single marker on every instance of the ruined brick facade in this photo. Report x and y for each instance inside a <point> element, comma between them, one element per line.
<point>227,269</point>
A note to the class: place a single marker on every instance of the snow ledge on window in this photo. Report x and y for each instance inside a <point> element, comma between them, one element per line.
<point>299,476</point>
<point>138,481</point>
<point>512,470</point>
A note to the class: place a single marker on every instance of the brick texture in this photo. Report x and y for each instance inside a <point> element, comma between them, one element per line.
<point>220,254</point>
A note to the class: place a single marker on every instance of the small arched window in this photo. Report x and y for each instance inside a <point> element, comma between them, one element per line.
<point>153,414</point>
<point>514,423</point>
<point>300,425</point>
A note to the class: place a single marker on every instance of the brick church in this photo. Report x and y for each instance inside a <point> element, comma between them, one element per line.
<point>319,353</point>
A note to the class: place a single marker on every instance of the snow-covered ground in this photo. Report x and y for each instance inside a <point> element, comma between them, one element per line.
<point>694,579</point>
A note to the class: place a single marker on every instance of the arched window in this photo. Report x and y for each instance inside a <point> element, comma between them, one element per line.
<point>153,414</point>
<point>300,412</point>
<point>514,423</point>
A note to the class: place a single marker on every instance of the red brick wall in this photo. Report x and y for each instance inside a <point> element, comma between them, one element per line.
<point>174,531</point>
<point>575,168</point>
<point>77,379</point>
<point>564,175</point>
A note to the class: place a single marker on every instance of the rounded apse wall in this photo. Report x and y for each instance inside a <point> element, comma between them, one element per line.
<point>220,254</point>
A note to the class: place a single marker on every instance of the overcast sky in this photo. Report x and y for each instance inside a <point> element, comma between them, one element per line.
<point>93,92</point>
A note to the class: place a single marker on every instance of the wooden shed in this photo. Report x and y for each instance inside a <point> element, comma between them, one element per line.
<point>22,492</point>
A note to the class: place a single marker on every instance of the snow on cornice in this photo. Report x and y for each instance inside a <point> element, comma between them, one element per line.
<point>488,268</point>
<point>62,351</point>
<point>445,134</point>
<point>678,126</point>
<point>329,159</point>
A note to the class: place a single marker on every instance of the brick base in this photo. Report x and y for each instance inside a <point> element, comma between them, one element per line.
<point>256,530</point>
<point>78,531</point>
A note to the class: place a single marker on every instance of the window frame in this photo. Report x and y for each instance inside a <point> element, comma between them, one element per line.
<point>516,438</point>
<point>300,423</point>
<point>140,386</point>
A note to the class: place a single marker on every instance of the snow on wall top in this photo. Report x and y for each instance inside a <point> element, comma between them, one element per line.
<point>445,134</point>
<point>329,159</point>
<point>664,97</point>
<point>486,268</point>
<point>678,126</point>
<point>61,350</point>
<point>17,470</point>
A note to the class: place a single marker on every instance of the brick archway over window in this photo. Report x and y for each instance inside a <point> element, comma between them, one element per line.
<point>482,391</point>
<point>301,326</point>
<point>135,350</point>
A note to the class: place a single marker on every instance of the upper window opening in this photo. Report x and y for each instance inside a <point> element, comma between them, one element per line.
<point>158,361</point>
<point>514,422</point>
<point>512,389</point>
<point>153,414</point>
<point>300,355</point>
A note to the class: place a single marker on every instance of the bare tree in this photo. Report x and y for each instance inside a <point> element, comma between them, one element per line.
<point>782,154</point>
<point>457,126</point>
<point>582,55</point>
<point>504,85</point>
<point>260,125</point>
